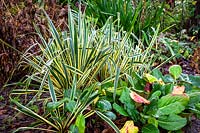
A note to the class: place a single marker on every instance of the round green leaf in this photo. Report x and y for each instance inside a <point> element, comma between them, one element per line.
<point>110,115</point>
<point>175,71</point>
<point>104,105</point>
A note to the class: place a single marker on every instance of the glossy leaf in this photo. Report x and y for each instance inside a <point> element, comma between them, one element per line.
<point>155,95</point>
<point>119,109</point>
<point>104,105</point>
<point>150,128</point>
<point>73,129</point>
<point>80,123</point>
<point>151,108</point>
<point>168,78</point>
<point>168,99</point>
<point>129,104</point>
<point>172,104</point>
<point>175,71</point>
<point>53,105</point>
<point>172,108</point>
<point>110,115</point>
<point>194,98</point>
<point>125,98</point>
<point>172,122</point>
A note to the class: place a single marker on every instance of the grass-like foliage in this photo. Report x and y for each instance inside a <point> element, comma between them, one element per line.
<point>135,16</point>
<point>73,64</point>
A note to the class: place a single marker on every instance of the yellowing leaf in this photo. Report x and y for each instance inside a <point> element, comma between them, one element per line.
<point>178,90</point>
<point>129,128</point>
<point>194,2</point>
<point>192,38</point>
<point>96,100</point>
<point>150,78</point>
<point>160,81</point>
<point>138,99</point>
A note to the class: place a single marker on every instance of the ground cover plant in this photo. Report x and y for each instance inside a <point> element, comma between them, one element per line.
<point>96,68</point>
<point>161,102</point>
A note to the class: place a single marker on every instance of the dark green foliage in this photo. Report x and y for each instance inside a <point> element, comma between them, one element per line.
<point>138,17</point>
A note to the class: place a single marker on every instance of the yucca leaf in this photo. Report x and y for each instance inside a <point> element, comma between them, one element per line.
<point>54,31</point>
<point>31,113</point>
<point>51,90</point>
<point>106,119</point>
<point>73,90</point>
<point>33,128</point>
<point>116,81</point>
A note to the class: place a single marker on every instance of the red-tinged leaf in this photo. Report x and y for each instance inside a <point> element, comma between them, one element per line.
<point>138,99</point>
<point>178,90</point>
<point>147,87</point>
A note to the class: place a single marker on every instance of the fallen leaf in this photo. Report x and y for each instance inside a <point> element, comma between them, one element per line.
<point>178,90</point>
<point>129,128</point>
<point>138,99</point>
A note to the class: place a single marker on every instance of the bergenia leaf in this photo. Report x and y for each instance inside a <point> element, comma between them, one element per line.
<point>175,71</point>
<point>178,90</point>
<point>129,128</point>
<point>150,128</point>
<point>150,78</point>
<point>172,122</point>
<point>138,99</point>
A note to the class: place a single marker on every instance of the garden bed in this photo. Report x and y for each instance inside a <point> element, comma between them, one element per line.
<point>90,65</point>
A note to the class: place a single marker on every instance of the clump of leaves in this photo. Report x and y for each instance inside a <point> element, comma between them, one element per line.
<point>73,60</point>
<point>60,113</point>
<point>162,103</point>
<point>137,17</point>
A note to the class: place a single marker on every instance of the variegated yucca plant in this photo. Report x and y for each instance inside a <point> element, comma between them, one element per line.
<point>73,65</point>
